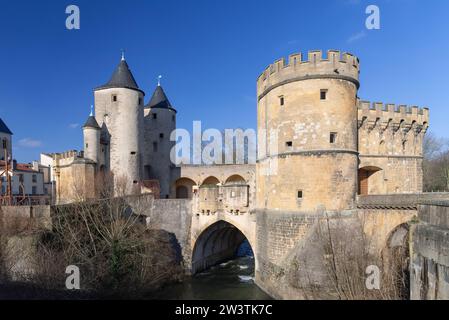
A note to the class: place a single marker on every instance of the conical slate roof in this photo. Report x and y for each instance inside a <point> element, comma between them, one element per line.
<point>4,128</point>
<point>121,78</point>
<point>159,99</point>
<point>91,123</point>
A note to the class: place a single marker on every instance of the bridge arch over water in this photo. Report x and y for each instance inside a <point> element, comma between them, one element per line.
<point>218,240</point>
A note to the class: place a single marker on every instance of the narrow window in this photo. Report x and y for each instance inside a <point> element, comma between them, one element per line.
<point>289,143</point>
<point>114,98</point>
<point>333,137</point>
<point>281,100</point>
<point>161,135</point>
<point>87,145</point>
<point>154,146</point>
<point>147,171</point>
<point>140,101</point>
<point>34,190</point>
<point>299,194</point>
<point>154,115</point>
<point>34,178</point>
<point>172,118</point>
<point>323,94</point>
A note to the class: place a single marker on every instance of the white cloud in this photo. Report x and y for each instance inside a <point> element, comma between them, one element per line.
<point>357,36</point>
<point>30,143</point>
<point>74,125</point>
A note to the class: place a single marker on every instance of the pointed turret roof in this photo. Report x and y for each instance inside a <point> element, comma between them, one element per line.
<point>121,78</point>
<point>4,128</point>
<point>91,123</point>
<point>159,99</point>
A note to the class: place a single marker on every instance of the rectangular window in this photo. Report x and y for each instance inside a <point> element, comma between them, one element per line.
<point>289,143</point>
<point>154,146</point>
<point>299,194</point>
<point>281,100</point>
<point>133,153</point>
<point>34,190</point>
<point>161,135</point>
<point>172,118</point>
<point>323,94</point>
<point>114,98</point>
<point>140,101</point>
<point>333,137</point>
<point>87,145</point>
<point>154,115</point>
<point>34,178</point>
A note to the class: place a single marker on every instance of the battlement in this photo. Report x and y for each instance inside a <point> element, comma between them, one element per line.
<point>395,115</point>
<point>334,65</point>
<point>66,155</point>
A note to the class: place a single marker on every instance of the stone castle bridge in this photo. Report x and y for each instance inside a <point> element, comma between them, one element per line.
<point>216,209</point>
<point>222,218</point>
<point>214,214</point>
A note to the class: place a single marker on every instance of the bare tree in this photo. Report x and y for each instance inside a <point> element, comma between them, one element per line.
<point>435,164</point>
<point>109,241</point>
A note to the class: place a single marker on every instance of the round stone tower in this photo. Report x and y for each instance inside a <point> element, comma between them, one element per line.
<point>307,133</point>
<point>160,122</point>
<point>119,112</point>
<point>91,132</point>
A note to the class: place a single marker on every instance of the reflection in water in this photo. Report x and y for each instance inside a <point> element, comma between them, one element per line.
<point>232,280</point>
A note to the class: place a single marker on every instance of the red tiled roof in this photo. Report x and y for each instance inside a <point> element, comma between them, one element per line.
<point>19,167</point>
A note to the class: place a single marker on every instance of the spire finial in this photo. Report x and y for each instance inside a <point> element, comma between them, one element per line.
<point>123,55</point>
<point>91,110</point>
<point>159,80</point>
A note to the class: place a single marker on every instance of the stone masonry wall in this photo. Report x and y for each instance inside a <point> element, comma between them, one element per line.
<point>174,216</point>
<point>123,121</point>
<point>307,133</point>
<point>429,274</point>
<point>290,251</point>
<point>157,147</point>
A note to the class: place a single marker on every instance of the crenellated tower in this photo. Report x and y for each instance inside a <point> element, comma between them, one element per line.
<point>307,133</point>
<point>391,147</point>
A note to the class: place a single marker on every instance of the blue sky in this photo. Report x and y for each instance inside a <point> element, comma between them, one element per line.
<point>209,53</point>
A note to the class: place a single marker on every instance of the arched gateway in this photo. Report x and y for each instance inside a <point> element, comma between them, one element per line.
<point>218,240</point>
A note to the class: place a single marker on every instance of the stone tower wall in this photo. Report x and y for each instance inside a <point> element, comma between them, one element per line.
<point>92,143</point>
<point>7,137</point>
<point>391,140</point>
<point>297,155</point>
<point>157,163</point>
<point>124,122</point>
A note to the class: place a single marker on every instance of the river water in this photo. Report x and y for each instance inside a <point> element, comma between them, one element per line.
<point>232,280</point>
